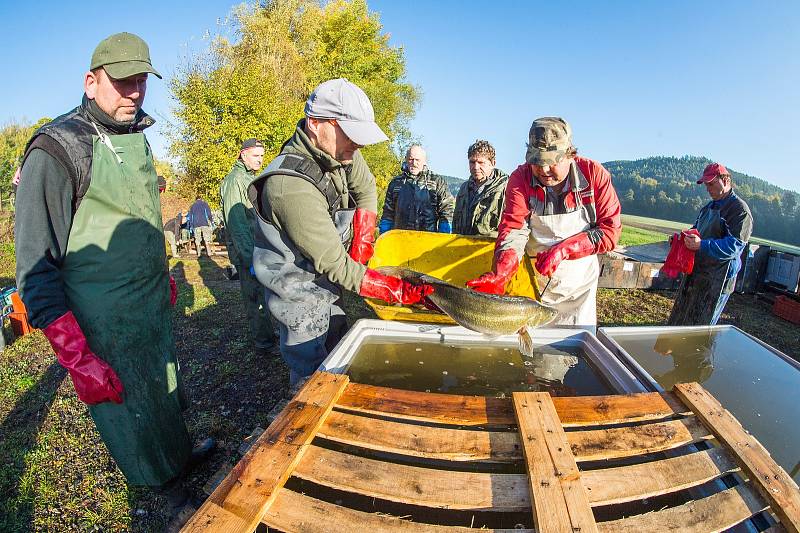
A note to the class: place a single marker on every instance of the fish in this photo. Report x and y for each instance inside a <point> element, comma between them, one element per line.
<point>490,314</point>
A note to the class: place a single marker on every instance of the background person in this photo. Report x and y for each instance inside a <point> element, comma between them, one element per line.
<point>92,267</point>
<point>239,217</point>
<point>201,225</point>
<point>417,199</point>
<point>725,225</point>
<point>314,202</point>
<point>480,200</point>
<point>563,210</point>
<point>172,232</point>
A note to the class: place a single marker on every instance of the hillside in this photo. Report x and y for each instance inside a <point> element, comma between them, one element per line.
<point>665,187</point>
<point>453,183</point>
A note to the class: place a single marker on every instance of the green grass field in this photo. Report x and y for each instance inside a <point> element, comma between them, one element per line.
<point>655,226</point>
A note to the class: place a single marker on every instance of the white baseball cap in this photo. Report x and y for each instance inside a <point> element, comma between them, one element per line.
<point>345,102</point>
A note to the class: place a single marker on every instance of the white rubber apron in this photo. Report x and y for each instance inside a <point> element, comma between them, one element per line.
<point>573,287</point>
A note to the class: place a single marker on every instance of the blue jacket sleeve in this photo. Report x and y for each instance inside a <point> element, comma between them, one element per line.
<point>724,249</point>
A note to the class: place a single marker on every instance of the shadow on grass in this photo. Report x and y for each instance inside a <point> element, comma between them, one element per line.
<point>18,436</point>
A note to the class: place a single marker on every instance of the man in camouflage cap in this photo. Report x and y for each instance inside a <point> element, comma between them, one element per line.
<point>562,210</point>
<point>92,268</point>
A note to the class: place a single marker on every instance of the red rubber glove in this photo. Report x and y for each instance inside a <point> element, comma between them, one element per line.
<point>361,249</point>
<point>391,289</point>
<point>173,292</point>
<point>505,266</point>
<point>95,381</point>
<point>573,247</point>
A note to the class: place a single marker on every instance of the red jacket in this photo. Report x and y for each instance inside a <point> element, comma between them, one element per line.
<point>594,190</point>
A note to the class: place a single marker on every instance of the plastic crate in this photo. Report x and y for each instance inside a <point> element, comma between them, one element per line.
<point>787,308</point>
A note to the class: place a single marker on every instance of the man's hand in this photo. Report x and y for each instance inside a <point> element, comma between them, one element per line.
<point>494,282</point>
<point>391,289</point>
<point>691,241</point>
<point>573,247</point>
<point>94,379</point>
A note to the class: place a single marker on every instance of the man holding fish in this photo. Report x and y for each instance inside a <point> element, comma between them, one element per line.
<point>562,210</point>
<point>316,207</point>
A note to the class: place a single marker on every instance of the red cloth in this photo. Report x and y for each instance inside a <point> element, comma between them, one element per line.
<point>599,197</point>
<point>680,258</point>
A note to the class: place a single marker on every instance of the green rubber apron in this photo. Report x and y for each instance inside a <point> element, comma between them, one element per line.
<point>117,285</point>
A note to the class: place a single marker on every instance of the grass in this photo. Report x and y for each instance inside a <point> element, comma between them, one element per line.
<point>668,227</point>
<point>55,473</point>
<point>633,236</point>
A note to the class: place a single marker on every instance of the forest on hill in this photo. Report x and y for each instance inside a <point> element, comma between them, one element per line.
<point>666,188</point>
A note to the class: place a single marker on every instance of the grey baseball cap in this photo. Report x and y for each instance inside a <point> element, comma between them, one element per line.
<point>123,55</point>
<point>345,102</point>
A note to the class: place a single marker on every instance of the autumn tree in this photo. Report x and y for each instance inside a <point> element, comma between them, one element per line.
<point>13,139</point>
<point>255,83</point>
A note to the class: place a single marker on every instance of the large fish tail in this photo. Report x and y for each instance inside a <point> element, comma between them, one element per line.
<point>525,342</point>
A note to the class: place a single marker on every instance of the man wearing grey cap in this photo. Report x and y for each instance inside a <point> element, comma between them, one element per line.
<point>563,210</point>
<point>237,211</point>
<point>316,206</point>
<point>92,268</point>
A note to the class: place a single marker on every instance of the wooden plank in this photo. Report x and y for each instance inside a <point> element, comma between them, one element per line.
<point>422,441</point>
<point>252,485</point>
<point>430,487</point>
<point>560,503</point>
<point>767,476</point>
<point>297,512</point>
<point>503,492</point>
<point>616,443</point>
<point>504,447</point>
<point>212,517</point>
<point>483,411</point>
<point>428,406</point>
<point>627,483</point>
<point>619,409</point>
<point>707,515</point>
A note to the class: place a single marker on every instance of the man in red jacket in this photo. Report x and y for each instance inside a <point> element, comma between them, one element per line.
<point>561,209</point>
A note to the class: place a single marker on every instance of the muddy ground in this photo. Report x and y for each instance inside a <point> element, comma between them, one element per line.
<point>55,473</point>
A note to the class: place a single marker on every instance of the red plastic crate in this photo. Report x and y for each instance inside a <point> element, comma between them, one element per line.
<point>787,308</point>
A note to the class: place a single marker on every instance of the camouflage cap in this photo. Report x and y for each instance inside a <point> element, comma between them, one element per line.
<point>549,141</point>
<point>123,55</point>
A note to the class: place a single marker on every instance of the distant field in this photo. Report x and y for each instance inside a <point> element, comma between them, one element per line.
<point>633,236</point>
<point>667,227</point>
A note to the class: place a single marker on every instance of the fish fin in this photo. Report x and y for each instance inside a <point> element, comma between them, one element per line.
<point>525,342</point>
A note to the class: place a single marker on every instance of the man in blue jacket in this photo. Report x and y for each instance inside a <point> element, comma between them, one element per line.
<point>201,224</point>
<point>725,225</point>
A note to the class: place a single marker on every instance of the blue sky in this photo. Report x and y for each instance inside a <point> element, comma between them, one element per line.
<point>638,78</point>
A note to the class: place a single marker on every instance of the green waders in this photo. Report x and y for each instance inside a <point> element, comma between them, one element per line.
<point>117,285</point>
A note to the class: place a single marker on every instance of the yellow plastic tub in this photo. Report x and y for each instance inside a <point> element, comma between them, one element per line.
<point>455,259</point>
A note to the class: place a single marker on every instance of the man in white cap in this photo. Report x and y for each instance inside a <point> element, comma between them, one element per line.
<point>316,205</point>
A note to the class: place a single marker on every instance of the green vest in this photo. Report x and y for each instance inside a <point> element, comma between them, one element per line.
<point>117,284</point>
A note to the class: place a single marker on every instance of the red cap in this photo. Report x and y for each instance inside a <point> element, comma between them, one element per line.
<point>712,171</point>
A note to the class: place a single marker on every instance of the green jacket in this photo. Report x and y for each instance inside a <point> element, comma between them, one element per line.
<point>237,211</point>
<point>297,208</point>
<point>479,212</point>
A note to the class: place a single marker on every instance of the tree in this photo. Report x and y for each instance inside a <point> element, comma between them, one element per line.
<point>257,85</point>
<point>14,137</point>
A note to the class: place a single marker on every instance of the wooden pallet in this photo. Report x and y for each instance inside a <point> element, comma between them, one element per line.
<point>364,458</point>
